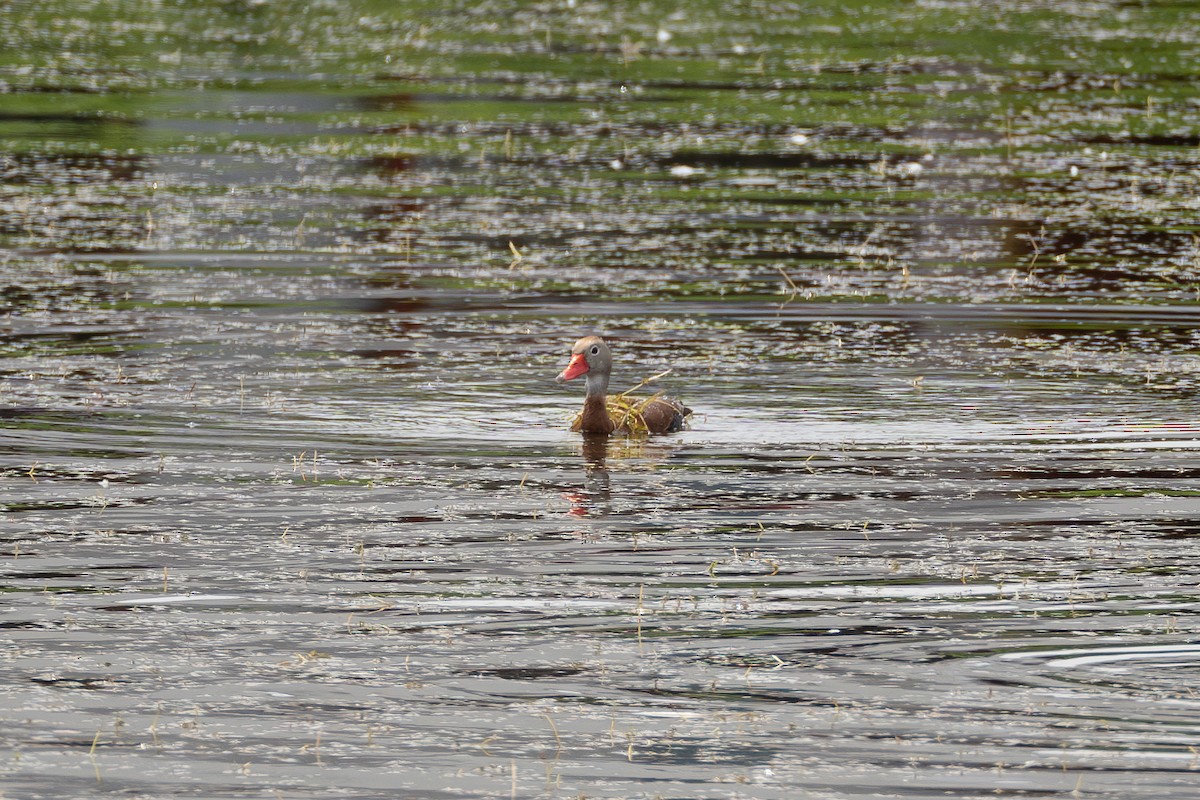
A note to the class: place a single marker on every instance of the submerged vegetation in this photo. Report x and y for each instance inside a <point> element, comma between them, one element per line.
<point>945,152</point>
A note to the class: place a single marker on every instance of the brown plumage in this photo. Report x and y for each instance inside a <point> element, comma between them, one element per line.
<point>591,358</point>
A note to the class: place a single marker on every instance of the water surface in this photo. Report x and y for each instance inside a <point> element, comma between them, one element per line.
<point>290,506</point>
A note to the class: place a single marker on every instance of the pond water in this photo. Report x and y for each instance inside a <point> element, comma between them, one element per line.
<point>290,505</point>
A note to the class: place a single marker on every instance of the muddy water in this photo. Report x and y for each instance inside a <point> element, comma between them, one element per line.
<point>289,503</point>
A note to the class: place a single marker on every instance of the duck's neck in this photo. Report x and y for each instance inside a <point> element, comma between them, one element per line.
<point>597,385</point>
<point>595,410</point>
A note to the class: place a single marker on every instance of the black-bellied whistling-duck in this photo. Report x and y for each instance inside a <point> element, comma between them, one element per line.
<point>591,358</point>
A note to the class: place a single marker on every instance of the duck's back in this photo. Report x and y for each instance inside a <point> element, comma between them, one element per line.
<point>665,415</point>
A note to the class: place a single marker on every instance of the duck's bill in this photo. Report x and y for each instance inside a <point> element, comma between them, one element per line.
<point>577,367</point>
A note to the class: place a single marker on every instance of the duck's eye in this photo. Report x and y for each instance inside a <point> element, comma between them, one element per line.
<point>595,350</point>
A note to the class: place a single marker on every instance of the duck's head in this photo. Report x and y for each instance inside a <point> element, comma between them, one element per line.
<point>589,356</point>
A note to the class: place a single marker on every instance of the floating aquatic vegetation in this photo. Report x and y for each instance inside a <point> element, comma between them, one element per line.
<point>629,413</point>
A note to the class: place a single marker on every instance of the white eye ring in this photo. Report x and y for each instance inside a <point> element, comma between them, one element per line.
<point>595,350</point>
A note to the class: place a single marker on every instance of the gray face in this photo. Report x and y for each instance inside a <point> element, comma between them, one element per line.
<point>596,353</point>
<point>590,352</point>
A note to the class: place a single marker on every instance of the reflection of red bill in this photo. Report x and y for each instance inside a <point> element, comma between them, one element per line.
<point>578,509</point>
<point>577,367</point>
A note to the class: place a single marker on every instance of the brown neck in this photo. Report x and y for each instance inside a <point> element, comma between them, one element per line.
<point>595,417</point>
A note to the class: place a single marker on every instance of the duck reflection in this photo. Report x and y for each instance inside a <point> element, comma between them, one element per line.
<point>594,498</point>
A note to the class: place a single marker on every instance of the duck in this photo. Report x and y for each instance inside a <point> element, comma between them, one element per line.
<point>591,358</point>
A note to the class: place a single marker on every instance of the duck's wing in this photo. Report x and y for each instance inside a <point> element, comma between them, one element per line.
<point>665,415</point>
